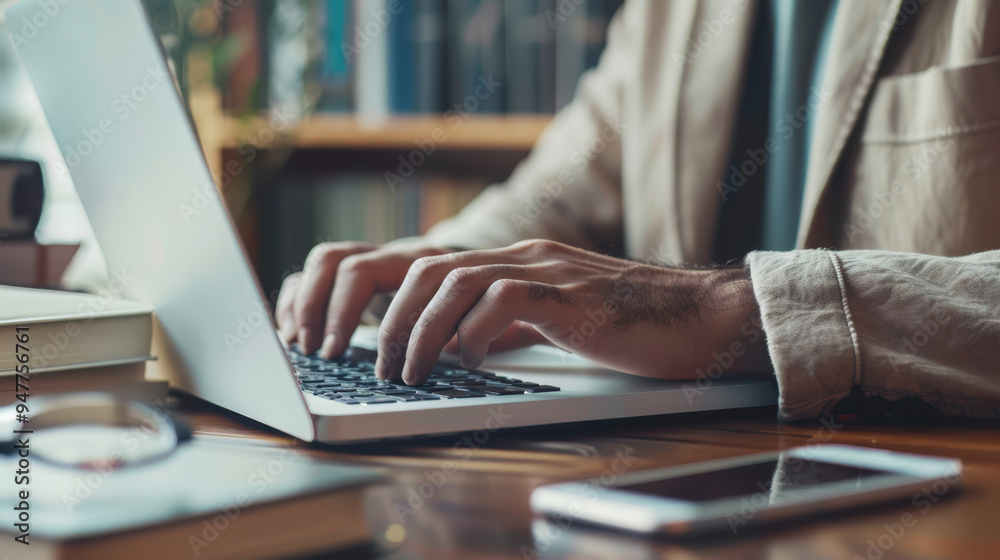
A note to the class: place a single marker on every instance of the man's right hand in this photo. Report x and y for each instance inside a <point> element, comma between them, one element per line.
<point>320,307</point>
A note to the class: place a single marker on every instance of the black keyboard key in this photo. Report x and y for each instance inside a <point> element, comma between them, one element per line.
<point>467,382</point>
<point>350,379</point>
<point>395,392</point>
<point>437,388</point>
<point>460,394</point>
<point>542,389</point>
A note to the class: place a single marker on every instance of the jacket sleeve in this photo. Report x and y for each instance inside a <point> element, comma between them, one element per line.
<point>881,324</point>
<point>569,187</point>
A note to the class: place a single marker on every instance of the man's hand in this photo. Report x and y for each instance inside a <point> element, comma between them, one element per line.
<point>637,318</point>
<point>322,305</point>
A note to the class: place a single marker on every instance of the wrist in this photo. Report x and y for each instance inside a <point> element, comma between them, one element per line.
<point>735,336</point>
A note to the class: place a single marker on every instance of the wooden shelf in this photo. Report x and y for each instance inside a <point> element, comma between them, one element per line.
<point>395,133</point>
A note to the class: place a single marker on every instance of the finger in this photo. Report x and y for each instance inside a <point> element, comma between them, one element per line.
<point>421,283</point>
<point>518,335</point>
<point>314,291</point>
<point>359,277</point>
<point>285,309</point>
<point>459,292</point>
<point>504,304</point>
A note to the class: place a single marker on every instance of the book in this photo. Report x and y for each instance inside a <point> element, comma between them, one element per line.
<point>336,74</point>
<point>212,498</point>
<point>26,262</point>
<point>125,381</point>
<point>476,64</point>
<point>69,330</point>
<point>402,59</point>
<point>430,55</point>
<point>526,33</point>
<point>371,84</point>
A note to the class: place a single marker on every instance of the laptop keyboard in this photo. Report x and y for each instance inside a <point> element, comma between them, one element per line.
<point>350,379</point>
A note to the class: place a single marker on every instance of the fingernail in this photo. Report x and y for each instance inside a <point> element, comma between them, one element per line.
<point>305,341</point>
<point>408,376</point>
<point>329,345</point>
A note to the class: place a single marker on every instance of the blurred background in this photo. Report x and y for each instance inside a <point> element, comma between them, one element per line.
<point>326,120</point>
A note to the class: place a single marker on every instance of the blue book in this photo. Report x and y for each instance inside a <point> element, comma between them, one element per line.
<point>336,68</point>
<point>402,60</point>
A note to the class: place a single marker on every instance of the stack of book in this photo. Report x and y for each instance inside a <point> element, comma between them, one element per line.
<point>57,342</point>
<point>381,57</point>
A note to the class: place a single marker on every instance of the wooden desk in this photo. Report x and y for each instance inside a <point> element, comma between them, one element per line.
<point>474,502</point>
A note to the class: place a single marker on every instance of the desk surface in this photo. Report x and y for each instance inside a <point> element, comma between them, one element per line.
<point>474,501</point>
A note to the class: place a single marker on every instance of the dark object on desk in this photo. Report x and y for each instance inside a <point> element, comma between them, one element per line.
<point>21,195</point>
<point>210,499</point>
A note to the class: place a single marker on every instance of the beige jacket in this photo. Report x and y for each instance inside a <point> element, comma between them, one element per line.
<point>902,179</point>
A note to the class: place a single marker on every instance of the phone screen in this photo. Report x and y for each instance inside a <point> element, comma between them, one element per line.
<point>777,478</point>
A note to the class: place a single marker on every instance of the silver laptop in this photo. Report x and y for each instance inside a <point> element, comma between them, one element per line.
<point>132,152</point>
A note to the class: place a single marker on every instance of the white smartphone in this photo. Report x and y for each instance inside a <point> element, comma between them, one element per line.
<point>730,494</point>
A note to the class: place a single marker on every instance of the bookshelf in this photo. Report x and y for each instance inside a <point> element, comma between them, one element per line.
<point>334,174</point>
<point>482,146</point>
<point>348,132</point>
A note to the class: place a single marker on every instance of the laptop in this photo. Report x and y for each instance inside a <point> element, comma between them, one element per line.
<point>133,154</point>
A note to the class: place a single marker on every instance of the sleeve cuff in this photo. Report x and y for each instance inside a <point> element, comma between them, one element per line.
<point>810,334</point>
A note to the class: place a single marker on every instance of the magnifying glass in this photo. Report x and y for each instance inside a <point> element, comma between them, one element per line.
<point>91,431</point>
